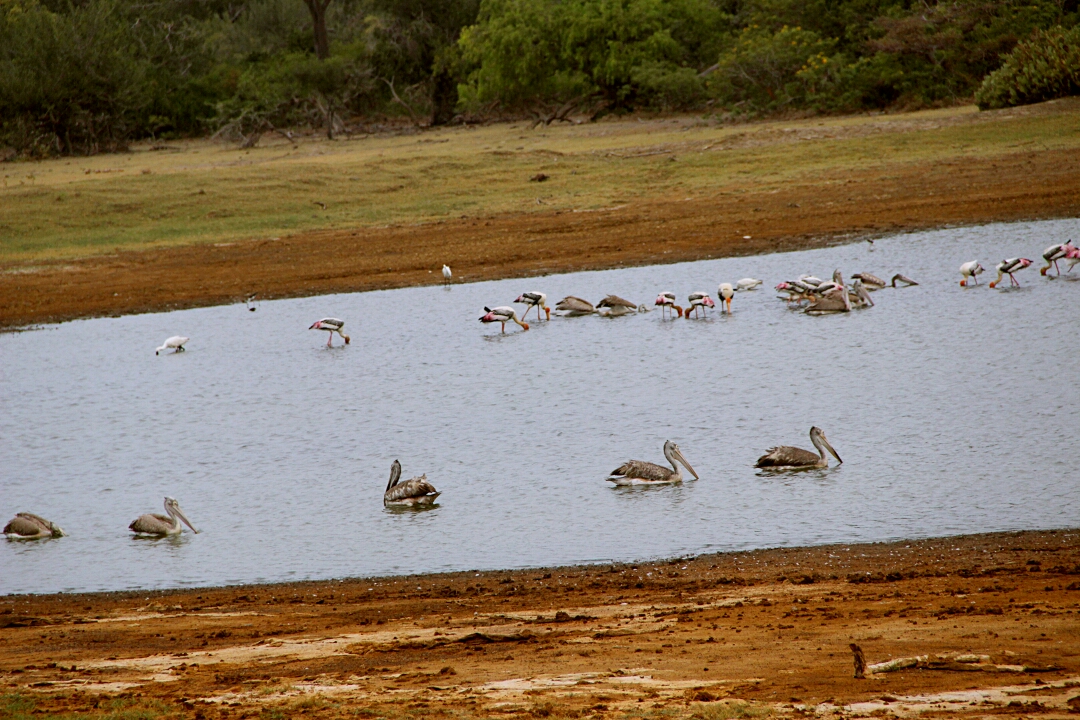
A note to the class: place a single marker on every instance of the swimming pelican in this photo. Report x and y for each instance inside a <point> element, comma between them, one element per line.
<point>446,274</point>
<point>1054,253</point>
<point>859,295</point>
<point>176,342</point>
<point>904,279</point>
<point>614,306</point>
<point>536,300</point>
<point>699,300</point>
<point>412,492</point>
<point>835,300</point>
<point>666,300</point>
<point>786,457</point>
<point>502,315</point>
<point>28,526</point>
<point>573,306</point>
<point>331,325</point>
<point>747,284</point>
<point>154,524</point>
<point>639,472</point>
<point>971,270</point>
<point>869,280</point>
<point>1008,267</point>
<point>725,292</point>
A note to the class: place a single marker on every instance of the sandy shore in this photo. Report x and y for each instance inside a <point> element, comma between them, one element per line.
<point>994,620</point>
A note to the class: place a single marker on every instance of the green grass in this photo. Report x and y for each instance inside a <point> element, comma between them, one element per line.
<point>16,706</point>
<point>205,192</point>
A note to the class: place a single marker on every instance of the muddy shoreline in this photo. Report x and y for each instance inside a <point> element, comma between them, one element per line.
<point>767,630</point>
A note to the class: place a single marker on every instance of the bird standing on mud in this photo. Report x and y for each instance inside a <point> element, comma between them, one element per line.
<point>786,457</point>
<point>639,472</point>
<point>331,325</point>
<point>502,315</point>
<point>446,274</point>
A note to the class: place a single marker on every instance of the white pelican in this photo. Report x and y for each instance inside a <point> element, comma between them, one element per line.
<point>725,292</point>
<point>614,306</point>
<point>28,526</point>
<point>446,274</point>
<point>747,284</point>
<point>639,472</point>
<point>904,279</point>
<point>412,492</point>
<point>786,457</point>
<point>971,271</point>
<point>154,524</point>
<point>331,325</point>
<point>666,300</point>
<point>869,280</point>
<point>536,300</point>
<point>699,301</point>
<point>573,306</point>
<point>1008,267</point>
<point>1054,253</point>
<point>176,342</point>
<point>502,315</point>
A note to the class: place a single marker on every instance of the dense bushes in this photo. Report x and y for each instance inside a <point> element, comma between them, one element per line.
<point>1044,67</point>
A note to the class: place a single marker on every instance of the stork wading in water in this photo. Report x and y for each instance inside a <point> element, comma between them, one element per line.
<point>1008,267</point>
<point>161,525</point>
<point>331,325</point>
<point>614,306</point>
<point>175,343</point>
<point>971,271</point>
<point>725,292</point>
<point>446,274</point>
<point>502,315</point>
<point>639,472</point>
<point>536,300</point>
<point>786,457</point>
<point>573,306</point>
<point>1054,253</point>
<point>699,301</point>
<point>667,300</point>
<point>28,526</point>
<point>414,492</point>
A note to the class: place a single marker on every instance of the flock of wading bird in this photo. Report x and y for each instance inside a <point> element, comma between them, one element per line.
<point>813,294</point>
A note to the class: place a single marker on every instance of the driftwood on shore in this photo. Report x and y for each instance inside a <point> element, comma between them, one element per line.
<point>956,662</point>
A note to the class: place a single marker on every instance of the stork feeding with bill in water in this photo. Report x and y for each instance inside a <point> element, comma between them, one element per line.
<point>534,299</point>
<point>331,325</point>
<point>161,525</point>
<point>786,457</point>
<point>502,315</point>
<point>639,472</point>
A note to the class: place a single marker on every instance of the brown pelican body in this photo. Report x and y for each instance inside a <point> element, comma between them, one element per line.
<point>28,526</point>
<point>869,280</point>
<point>902,278</point>
<point>614,306</point>
<point>639,472</point>
<point>331,325</point>
<point>786,457</point>
<point>412,492</point>
<point>161,525</point>
<point>836,300</point>
<point>572,306</point>
<point>858,295</point>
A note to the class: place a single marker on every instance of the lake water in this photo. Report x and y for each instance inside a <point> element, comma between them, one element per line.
<point>955,411</point>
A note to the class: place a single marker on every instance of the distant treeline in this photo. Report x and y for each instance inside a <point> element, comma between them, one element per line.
<point>86,76</point>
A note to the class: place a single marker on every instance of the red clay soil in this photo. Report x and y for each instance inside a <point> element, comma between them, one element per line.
<point>826,210</point>
<point>993,619</point>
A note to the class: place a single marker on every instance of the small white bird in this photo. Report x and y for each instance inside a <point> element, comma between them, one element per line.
<point>747,284</point>
<point>331,325</point>
<point>970,270</point>
<point>176,342</point>
<point>446,274</point>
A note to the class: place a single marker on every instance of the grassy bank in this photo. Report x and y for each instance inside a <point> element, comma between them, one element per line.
<point>202,192</point>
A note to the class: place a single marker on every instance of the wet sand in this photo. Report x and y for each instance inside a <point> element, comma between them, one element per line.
<point>994,618</point>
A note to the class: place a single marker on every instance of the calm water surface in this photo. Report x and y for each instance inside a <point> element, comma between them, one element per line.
<point>955,411</point>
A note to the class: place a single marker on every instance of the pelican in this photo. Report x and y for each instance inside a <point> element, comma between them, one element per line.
<point>1008,267</point>
<point>176,342</point>
<point>904,279</point>
<point>502,315</point>
<point>153,524</point>
<point>639,472</point>
<point>786,457</point>
<point>869,280</point>
<point>835,300</point>
<point>28,526</point>
<point>446,274</point>
<point>725,292</point>
<point>747,284</point>
<point>331,325</point>
<point>666,300</point>
<point>971,271</point>
<point>699,300</point>
<point>412,492</point>
<point>536,300</point>
<point>859,295</point>
<point>1054,253</point>
<point>572,306</point>
<point>614,306</point>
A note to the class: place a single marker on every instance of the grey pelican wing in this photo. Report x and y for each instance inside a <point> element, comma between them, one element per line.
<point>26,524</point>
<point>152,524</point>
<point>412,488</point>
<point>787,456</point>
<point>642,470</point>
<point>574,304</point>
<point>616,301</point>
